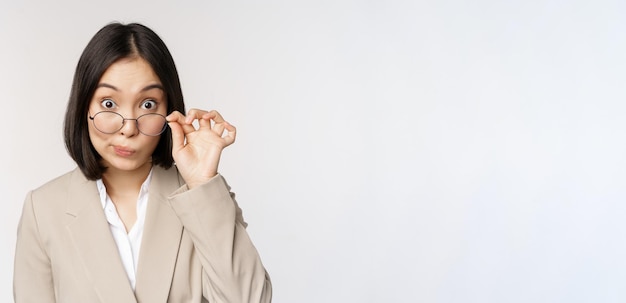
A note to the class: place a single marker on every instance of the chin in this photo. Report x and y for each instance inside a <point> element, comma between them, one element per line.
<point>126,165</point>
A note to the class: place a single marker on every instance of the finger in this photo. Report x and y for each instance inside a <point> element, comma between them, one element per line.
<point>194,114</point>
<point>205,122</point>
<point>173,116</point>
<point>178,136</point>
<point>214,115</point>
<point>178,118</point>
<point>230,135</point>
<point>218,128</point>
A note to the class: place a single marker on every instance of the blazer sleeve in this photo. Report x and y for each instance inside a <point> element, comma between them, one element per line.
<point>32,276</point>
<point>232,268</point>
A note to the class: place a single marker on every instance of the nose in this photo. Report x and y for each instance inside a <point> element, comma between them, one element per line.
<point>129,128</point>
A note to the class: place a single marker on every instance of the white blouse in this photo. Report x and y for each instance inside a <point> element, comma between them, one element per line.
<point>128,244</point>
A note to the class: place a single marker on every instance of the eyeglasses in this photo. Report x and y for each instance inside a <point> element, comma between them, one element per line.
<point>111,122</point>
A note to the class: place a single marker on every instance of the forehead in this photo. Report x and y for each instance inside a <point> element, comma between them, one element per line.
<point>129,74</point>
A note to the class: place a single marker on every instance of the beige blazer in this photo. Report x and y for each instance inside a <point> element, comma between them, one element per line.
<point>194,249</point>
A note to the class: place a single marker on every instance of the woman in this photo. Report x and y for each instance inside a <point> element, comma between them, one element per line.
<point>145,217</point>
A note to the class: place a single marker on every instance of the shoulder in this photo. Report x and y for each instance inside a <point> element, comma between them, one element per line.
<point>60,184</point>
<point>57,191</point>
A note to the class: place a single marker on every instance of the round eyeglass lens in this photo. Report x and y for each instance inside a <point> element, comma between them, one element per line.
<point>151,124</point>
<point>108,122</point>
<point>111,122</point>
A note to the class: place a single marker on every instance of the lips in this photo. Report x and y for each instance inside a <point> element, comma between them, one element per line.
<point>123,151</point>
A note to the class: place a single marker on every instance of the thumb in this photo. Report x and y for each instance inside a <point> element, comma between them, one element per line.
<point>178,136</point>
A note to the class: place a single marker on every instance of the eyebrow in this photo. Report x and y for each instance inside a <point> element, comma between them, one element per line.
<point>147,88</point>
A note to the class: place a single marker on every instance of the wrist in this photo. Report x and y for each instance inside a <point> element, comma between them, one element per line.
<point>195,182</point>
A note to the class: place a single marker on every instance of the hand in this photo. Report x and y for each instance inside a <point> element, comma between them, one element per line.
<point>197,151</point>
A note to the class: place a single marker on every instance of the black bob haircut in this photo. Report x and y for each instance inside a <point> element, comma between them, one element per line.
<point>113,42</point>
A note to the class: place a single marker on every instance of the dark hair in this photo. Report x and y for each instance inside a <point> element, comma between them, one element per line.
<point>111,43</point>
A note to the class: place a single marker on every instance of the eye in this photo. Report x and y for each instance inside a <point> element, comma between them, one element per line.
<point>108,103</point>
<point>148,104</point>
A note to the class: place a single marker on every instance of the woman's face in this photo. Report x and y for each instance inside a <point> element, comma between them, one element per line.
<point>130,88</point>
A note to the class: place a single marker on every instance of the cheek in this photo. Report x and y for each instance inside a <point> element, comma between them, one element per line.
<point>96,138</point>
<point>146,145</point>
<point>93,133</point>
<point>153,142</point>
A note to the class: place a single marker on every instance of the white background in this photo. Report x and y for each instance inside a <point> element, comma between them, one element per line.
<point>388,151</point>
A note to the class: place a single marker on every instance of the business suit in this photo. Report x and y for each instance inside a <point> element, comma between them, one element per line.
<point>194,248</point>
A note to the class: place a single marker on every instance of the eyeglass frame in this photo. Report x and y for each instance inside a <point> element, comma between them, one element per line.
<point>124,121</point>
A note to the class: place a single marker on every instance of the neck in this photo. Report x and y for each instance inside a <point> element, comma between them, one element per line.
<point>120,181</point>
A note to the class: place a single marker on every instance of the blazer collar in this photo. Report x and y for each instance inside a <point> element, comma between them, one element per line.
<point>161,239</point>
<point>91,236</point>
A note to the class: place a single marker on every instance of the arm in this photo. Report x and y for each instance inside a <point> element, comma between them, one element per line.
<point>232,268</point>
<point>32,276</point>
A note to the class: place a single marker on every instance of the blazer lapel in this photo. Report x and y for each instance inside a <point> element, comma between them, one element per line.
<point>91,236</point>
<point>161,239</point>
